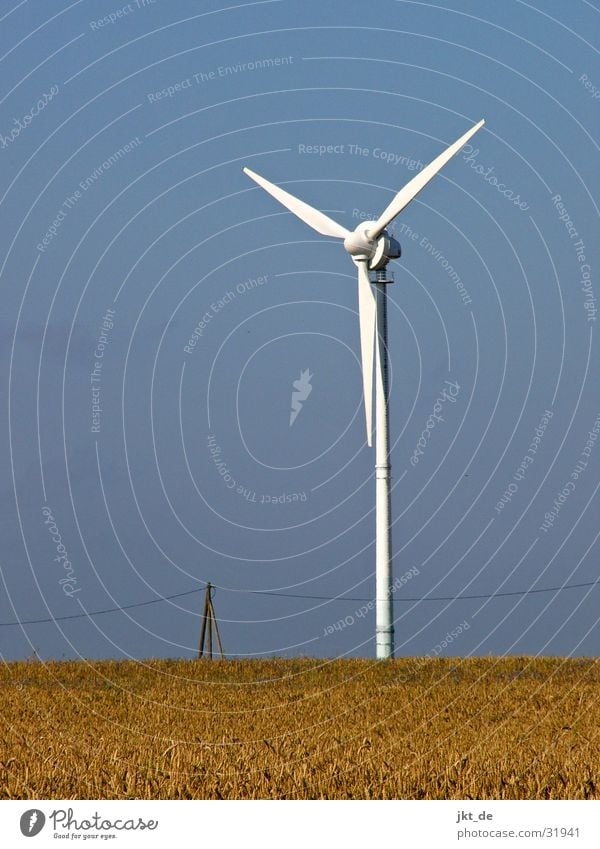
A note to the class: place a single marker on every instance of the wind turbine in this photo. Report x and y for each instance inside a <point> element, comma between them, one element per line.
<point>371,248</point>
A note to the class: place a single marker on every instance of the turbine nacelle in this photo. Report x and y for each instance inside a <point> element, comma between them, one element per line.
<point>377,252</point>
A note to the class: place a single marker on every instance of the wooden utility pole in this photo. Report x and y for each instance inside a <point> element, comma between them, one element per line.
<point>209,621</point>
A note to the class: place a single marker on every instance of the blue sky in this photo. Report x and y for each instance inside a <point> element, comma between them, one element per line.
<point>158,308</point>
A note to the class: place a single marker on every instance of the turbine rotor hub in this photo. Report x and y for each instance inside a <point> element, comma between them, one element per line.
<point>377,252</point>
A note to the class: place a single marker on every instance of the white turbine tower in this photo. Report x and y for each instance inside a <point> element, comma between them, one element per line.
<point>371,248</point>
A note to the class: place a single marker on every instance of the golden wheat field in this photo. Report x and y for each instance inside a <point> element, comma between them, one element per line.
<point>488,728</point>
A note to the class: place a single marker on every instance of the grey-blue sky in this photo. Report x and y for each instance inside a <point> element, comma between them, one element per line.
<point>170,235</point>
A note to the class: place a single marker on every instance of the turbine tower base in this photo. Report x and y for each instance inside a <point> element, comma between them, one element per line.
<point>385,643</point>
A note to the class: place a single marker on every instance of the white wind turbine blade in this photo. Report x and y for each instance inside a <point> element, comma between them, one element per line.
<point>367,308</point>
<point>315,219</point>
<point>412,189</point>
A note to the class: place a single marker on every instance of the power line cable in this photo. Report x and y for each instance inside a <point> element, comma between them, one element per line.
<point>98,612</point>
<point>299,596</point>
<point>433,598</point>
